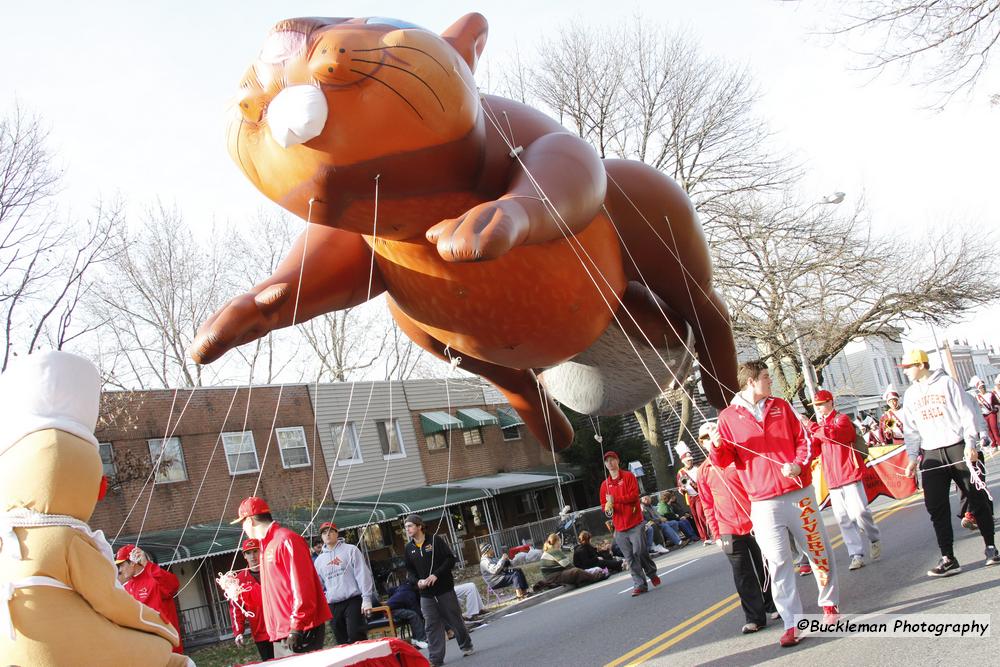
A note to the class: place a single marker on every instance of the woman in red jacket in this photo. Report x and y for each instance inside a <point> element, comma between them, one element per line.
<point>843,468</point>
<point>727,511</point>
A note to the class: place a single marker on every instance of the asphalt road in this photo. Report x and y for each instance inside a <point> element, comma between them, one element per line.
<point>694,617</point>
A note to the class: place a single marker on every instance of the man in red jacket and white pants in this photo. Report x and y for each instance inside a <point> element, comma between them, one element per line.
<point>295,608</point>
<point>727,511</point>
<point>771,450</point>
<point>620,497</point>
<point>843,468</point>
<point>249,608</point>
<point>150,584</point>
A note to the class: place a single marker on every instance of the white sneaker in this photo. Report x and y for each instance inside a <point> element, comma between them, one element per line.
<point>876,550</point>
<point>419,644</point>
<point>657,549</point>
<point>857,562</point>
<point>468,651</point>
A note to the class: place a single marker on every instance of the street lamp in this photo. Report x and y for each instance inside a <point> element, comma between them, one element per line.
<point>808,372</point>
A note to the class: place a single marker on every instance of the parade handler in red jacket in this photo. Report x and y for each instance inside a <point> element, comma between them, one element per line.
<point>843,469</point>
<point>295,608</point>
<point>150,584</point>
<point>620,497</point>
<point>248,608</point>
<point>761,435</point>
<point>727,511</point>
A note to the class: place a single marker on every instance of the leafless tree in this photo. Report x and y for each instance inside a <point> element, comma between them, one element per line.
<point>46,260</point>
<point>156,294</point>
<point>950,41</point>
<point>793,273</point>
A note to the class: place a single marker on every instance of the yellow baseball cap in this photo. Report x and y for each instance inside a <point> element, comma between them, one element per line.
<point>914,357</point>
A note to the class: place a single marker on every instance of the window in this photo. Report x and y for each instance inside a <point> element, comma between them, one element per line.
<point>511,432</point>
<point>345,440</point>
<point>391,439</point>
<point>375,538</point>
<point>529,502</point>
<point>437,440</point>
<point>108,460</point>
<point>472,436</point>
<point>241,453</point>
<point>168,452</point>
<point>293,447</point>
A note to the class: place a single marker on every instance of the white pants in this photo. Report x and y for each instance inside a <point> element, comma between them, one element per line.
<point>784,526</point>
<point>850,506</point>
<point>470,599</point>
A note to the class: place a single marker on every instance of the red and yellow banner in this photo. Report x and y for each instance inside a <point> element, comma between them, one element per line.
<point>883,475</point>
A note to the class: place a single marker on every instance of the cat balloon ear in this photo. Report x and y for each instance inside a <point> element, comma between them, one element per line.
<point>467,35</point>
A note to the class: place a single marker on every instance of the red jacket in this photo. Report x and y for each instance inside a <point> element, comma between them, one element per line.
<point>779,439</point>
<point>726,503</point>
<point>890,427</point>
<point>625,492</point>
<point>842,464</point>
<point>292,594</point>
<point>156,588</point>
<point>251,600</point>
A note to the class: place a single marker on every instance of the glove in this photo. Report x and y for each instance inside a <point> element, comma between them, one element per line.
<point>294,641</point>
<point>240,640</point>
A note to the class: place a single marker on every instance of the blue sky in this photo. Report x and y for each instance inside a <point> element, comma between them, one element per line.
<point>135,94</point>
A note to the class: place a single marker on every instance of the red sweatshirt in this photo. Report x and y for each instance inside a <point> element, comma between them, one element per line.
<point>842,464</point>
<point>764,446</point>
<point>726,503</point>
<point>625,494</point>
<point>292,594</point>
<point>156,588</point>
<point>251,600</point>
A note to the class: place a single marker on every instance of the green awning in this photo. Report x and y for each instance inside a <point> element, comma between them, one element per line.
<point>436,422</point>
<point>474,417</point>
<point>508,417</point>
<point>421,499</point>
<point>203,540</point>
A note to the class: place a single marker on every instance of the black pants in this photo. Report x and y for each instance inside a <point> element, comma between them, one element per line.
<point>749,577</point>
<point>266,650</point>
<point>937,476</point>
<point>312,640</point>
<point>349,624</point>
<point>981,467</point>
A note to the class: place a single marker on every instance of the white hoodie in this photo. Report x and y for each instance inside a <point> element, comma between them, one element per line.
<point>936,414</point>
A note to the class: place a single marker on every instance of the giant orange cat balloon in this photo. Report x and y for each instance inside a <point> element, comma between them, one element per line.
<point>498,234</point>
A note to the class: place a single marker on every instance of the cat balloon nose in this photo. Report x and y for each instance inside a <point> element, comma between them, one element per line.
<point>297,114</point>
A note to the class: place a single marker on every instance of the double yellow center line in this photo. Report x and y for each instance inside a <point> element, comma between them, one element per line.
<point>692,625</point>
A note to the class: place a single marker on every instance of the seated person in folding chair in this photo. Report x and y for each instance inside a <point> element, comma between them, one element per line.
<point>469,599</point>
<point>498,572</point>
<point>405,605</point>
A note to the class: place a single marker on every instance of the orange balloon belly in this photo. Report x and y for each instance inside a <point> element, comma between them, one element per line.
<point>534,307</point>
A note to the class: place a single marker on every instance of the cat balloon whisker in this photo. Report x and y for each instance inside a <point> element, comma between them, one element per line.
<point>403,69</point>
<point>401,46</point>
<point>399,94</point>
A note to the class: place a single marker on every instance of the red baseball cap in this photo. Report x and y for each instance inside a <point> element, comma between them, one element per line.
<point>610,452</point>
<point>123,553</point>
<point>822,396</point>
<point>328,524</point>
<point>251,506</point>
<point>250,545</point>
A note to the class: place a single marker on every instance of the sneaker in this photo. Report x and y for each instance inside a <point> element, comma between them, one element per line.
<point>992,556</point>
<point>805,570</point>
<point>945,568</point>
<point>969,521</point>
<point>708,543</point>
<point>655,580</point>
<point>831,614</point>
<point>469,651</point>
<point>750,628</point>
<point>857,562</point>
<point>419,644</point>
<point>774,616</point>
<point>876,550</point>
<point>657,549</point>
<point>790,638</point>
<point>684,542</point>
<point>636,592</point>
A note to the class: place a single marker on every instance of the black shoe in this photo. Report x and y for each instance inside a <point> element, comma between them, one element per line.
<point>992,556</point>
<point>945,568</point>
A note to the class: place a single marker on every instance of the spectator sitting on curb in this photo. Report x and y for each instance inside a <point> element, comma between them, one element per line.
<point>498,573</point>
<point>654,520</point>
<point>670,509</point>
<point>558,570</point>
<point>586,556</point>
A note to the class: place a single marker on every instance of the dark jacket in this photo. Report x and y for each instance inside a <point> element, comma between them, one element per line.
<point>586,556</point>
<point>433,557</point>
<point>404,596</point>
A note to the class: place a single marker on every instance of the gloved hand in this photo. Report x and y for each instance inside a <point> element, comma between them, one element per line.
<point>239,640</point>
<point>294,641</point>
